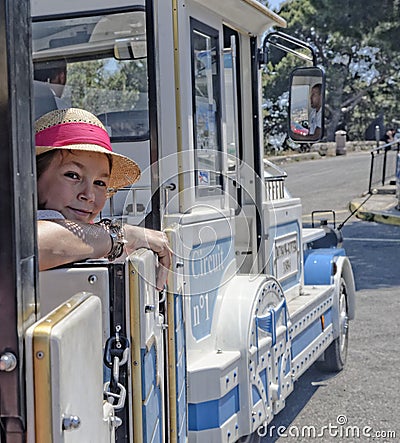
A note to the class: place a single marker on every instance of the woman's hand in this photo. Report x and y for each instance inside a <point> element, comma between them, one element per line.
<point>156,241</point>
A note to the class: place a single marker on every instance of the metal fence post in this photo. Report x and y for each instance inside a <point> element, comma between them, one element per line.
<point>398,180</point>
<point>387,148</point>
<point>377,135</point>
<point>371,172</point>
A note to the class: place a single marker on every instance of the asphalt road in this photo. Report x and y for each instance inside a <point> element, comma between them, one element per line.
<point>329,183</point>
<point>361,403</point>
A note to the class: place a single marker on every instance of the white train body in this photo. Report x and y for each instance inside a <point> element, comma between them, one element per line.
<point>249,306</point>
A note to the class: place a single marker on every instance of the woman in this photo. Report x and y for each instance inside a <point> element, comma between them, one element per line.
<point>77,170</point>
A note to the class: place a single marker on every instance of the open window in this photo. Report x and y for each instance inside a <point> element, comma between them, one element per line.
<point>206,95</point>
<point>232,97</point>
<point>97,63</point>
<point>233,111</point>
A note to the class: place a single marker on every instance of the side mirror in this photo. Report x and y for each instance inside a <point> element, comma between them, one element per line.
<point>306,104</point>
<point>130,49</point>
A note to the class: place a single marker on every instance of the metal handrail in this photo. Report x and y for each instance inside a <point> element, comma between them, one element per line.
<point>281,173</point>
<point>275,184</point>
<point>134,189</point>
<point>375,153</point>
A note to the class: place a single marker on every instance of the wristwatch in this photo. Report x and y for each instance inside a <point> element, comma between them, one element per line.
<point>116,233</point>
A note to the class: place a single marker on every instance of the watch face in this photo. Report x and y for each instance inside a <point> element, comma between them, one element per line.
<point>116,233</point>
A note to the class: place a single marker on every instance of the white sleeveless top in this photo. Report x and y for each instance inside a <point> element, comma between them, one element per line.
<point>49,214</point>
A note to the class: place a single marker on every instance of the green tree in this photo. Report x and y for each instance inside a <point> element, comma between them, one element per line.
<point>107,85</point>
<point>355,42</point>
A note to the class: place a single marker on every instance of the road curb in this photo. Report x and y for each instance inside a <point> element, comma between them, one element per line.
<point>294,157</point>
<point>321,150</point>
<point>375,215</point>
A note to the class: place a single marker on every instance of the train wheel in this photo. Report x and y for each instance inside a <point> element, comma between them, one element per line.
<point>335,356</point>
<point>252,438</point>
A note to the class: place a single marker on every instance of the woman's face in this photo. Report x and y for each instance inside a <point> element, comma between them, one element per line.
<point>75,183</point>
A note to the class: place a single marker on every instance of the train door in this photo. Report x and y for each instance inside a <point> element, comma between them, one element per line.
<point>205,228</point>
<point>96,57</point>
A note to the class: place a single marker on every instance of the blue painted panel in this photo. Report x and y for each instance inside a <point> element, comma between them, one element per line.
<point>208,263</point>
<point>151,418</point>
<point>287,368</point>
<point>213,413</point>
<point>255,395</point>
<point>178,311</point>
<point>264,380</point>
<point>181,412</point>
<point>180,338</point>
<point>182,431</point>
<point>148,371</point>
<point>318,265</point>
<point>328,317</point>
<point>301,341</point>
<point>152,429</point>
<point>180,370</point>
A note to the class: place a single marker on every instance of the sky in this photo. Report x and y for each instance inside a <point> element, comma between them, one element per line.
<point>275,4</point>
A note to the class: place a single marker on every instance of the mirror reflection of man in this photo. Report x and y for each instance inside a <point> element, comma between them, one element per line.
<point>315,117</point>
<point>54,73</point>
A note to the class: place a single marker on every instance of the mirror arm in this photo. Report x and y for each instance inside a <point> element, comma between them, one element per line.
<point>277,35</point>
<point>296,53</point>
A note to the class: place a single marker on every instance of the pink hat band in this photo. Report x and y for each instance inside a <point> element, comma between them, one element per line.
<point>73,133</point>
<point>79,130</point>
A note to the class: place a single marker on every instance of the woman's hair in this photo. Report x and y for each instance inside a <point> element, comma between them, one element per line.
<point>43,160</point>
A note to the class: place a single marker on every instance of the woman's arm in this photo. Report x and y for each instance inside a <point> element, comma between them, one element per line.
<point>66,241</point>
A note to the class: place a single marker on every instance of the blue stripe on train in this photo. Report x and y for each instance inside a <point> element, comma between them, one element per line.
<point>213,413</point>
<point>301,341</point>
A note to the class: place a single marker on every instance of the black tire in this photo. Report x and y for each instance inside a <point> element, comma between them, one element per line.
<point>336,354</point>
<point>252,438</point>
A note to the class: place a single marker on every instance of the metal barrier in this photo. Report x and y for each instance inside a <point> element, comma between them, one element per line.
<point>133,191</point>
<point>383,164</point>
<point>274,183</point>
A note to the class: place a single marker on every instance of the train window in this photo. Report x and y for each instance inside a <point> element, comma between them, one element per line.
<point>97,63</point>
<point>206,92</point>
<point>232,97</point>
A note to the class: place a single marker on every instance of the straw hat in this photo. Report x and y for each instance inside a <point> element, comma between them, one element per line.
<point>79,130</point>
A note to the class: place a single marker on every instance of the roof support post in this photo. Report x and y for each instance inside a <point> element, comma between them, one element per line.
<point>18,270</point>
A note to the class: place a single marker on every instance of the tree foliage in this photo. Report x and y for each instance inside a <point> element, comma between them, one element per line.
<point>356,44</point>
<point>97,86</point>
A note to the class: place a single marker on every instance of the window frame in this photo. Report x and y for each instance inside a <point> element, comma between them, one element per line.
<point>217,190</point>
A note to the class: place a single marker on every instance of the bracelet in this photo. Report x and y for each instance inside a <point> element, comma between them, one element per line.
<point>116,233</point>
